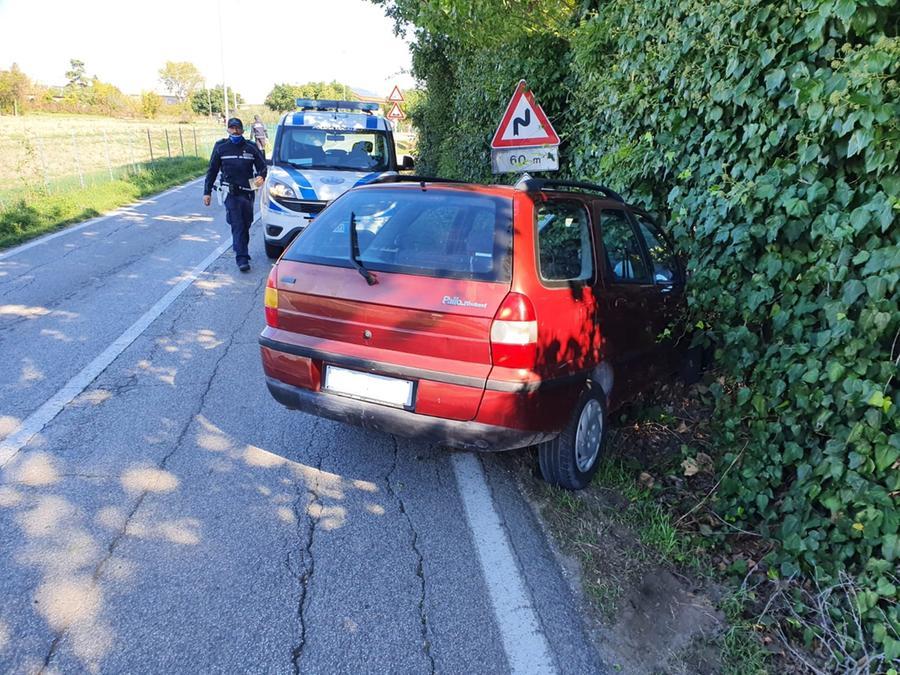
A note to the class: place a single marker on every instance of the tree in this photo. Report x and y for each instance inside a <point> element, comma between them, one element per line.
<point>180,79</point>
<point>14,87</point>
<point>151,102</point>
<point>106,96</point>
<point>202,99</point>
<point>283,96</point>
<point>476,23</point>
<point>75,75</point>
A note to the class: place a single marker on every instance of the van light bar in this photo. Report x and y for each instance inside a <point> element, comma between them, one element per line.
<point>331,104</point>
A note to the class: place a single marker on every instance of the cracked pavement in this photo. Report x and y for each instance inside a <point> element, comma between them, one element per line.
<point>174,518</point>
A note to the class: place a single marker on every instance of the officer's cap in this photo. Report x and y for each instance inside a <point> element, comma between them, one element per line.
<point>235,122</point>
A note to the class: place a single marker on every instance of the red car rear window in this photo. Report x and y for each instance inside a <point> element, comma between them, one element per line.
<point>438,232</point>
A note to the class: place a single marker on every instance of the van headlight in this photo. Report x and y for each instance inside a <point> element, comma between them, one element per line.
<point>277,189</point>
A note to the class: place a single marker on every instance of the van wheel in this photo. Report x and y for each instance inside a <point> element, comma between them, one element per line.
<point>273,251</point>
<point>571,459</point>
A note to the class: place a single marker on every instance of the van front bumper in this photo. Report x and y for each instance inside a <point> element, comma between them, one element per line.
<point>453,433</point>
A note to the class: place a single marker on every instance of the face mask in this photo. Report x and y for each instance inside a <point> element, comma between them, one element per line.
<point>235,139</point>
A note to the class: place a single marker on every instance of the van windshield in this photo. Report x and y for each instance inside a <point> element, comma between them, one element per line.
<point>308,148</point>
<point>437,233</point>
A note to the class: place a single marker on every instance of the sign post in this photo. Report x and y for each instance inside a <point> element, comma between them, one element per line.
<point>525,139</point>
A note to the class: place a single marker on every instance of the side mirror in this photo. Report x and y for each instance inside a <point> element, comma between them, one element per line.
<point>407,163</point>
<point>269,161</point>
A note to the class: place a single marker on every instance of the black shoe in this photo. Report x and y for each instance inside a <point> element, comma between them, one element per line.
<point>244,267</point>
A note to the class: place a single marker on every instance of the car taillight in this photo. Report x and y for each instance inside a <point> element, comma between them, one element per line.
<point>514,333</point>
<point>272,299</point>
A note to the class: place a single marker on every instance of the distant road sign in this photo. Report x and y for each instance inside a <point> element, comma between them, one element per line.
<point>396,95</point>
<point>395,113</point>
<point>524,123</point>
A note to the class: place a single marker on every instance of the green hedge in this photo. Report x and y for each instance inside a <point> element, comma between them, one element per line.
<point>767,135</point>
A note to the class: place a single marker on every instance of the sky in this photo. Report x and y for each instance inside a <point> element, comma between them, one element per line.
<point>266,42</point>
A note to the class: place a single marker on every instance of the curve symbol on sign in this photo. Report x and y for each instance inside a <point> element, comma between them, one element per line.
<point>525,120</point>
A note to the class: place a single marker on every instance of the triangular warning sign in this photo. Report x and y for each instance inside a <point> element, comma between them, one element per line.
<point>396,95</point>
<point>396,113</point>
<point>524,123</point>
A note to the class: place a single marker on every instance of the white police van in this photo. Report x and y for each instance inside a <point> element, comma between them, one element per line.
<point>321,151</point>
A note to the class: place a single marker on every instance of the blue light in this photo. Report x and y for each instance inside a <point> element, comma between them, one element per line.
<point>312,104</point>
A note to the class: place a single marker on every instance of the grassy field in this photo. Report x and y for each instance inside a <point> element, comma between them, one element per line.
<point>54,154</point>
<point>58,169</point>
<point>26,218</point>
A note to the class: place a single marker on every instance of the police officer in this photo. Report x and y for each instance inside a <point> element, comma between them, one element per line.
<point>236,158</point>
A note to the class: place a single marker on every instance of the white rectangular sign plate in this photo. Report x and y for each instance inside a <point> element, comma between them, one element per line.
<point>519,160</point>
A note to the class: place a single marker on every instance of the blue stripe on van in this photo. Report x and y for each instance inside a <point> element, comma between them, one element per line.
<point>275,206</point>
<point>367,179</point>
<point>306,189</point>
<point>371,122</point>
<point>297,119</point>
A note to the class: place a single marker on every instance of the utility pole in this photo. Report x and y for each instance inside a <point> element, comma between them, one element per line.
<point>222,55</point>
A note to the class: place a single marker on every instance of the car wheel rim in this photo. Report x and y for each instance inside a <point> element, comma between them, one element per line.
<point>587,436</point>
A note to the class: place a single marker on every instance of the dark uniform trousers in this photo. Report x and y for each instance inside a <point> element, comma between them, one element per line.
<point>237,163</point>
<point>239,214</point>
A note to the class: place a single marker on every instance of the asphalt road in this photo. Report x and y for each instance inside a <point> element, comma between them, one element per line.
<point>159,512</point>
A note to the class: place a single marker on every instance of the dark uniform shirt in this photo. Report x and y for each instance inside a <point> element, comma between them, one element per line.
<point>236,161</point>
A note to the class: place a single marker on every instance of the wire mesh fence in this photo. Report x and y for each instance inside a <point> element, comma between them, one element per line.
<point>64,153</point>
<point>57,161</point>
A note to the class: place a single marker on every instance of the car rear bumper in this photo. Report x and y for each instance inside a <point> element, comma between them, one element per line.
<point>454,433</point>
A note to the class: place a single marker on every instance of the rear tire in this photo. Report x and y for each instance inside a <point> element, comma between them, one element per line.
<point>273,251</point>
<point>571,459</point>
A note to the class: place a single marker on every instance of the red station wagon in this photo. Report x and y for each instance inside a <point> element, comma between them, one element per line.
<point>482,317</point>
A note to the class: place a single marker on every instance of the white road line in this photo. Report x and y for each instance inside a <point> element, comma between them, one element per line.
<point>93,221</point>
<point>526,647</point>
<point>36,421</point>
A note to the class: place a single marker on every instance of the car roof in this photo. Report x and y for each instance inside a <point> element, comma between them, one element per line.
<point>413,183</point>
<point>496,190</point>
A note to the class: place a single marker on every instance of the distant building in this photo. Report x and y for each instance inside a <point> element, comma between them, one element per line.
<point>366,96</point>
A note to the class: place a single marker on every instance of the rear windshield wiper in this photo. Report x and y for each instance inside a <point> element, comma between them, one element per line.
<point>354,255</point>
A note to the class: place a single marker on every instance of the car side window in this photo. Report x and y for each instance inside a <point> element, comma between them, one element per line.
<point>623,251</point>
<point>665,269</point>
<point>564,241</point>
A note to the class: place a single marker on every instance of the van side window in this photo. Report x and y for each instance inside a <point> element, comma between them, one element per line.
<point>623,251</point>
<point>564,241</point>
<point>665,270</point>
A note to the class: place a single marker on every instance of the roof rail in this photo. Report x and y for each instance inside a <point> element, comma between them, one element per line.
<point>538,184</point>
<point>334,105</point>
<point>401,178</point>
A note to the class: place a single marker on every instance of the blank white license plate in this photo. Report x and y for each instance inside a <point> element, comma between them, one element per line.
<point>371,387</point>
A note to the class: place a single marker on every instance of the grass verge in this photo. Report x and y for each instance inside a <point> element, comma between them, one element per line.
<point>671,585</point>
<point>35,213</point>
<point>661,577</point>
